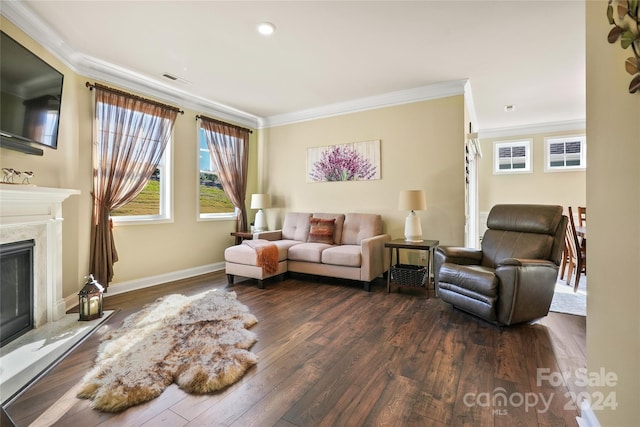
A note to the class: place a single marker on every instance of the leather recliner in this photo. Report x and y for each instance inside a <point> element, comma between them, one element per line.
<point>511,279</point>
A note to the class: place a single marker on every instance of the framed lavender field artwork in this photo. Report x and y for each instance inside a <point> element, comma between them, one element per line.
<point>356,161</point>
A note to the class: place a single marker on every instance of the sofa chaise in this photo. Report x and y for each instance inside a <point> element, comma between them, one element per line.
<point>348,246</point>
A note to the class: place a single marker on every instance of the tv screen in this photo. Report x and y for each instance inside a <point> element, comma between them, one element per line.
<point>30,95</point>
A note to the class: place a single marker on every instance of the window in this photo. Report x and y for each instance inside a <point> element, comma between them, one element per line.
<point>154,201</point>
<point>565,153</point>
<point>512,157</point>
<point>213,202</point>
<point>51,127</point>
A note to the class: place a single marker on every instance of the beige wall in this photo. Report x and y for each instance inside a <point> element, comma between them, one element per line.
<point>144,250</point>
<point>561,188</point>
<point>613,198</point>
<point>422,147</point>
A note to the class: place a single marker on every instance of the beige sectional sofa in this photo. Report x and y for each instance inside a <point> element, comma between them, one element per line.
<point>348,246</point>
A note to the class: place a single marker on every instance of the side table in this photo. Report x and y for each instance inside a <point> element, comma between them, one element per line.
<point>426,245</point>
<point>242,235</point>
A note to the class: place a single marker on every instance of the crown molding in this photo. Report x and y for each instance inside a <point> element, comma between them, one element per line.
<point>550,127</point>
<point>423,93</point>
<point>87,66</point>
<point>95,68</point>
<point>32,25</point>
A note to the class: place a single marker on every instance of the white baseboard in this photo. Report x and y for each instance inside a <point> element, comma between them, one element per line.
<point>145,282</point>
<point>588,418</point>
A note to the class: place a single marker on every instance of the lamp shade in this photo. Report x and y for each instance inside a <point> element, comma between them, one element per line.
<point>412,200</point>
<point>260,201</point>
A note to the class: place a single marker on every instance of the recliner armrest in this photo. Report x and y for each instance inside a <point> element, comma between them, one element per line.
<point>459,255</point>
<point>526,289</point>
<point>520,262</point>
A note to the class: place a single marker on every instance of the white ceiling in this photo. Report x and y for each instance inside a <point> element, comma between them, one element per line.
<point>527,53</point>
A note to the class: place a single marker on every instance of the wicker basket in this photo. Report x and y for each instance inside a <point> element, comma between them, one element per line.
<point>409,275</point>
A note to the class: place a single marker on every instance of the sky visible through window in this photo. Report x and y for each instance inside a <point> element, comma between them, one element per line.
<point>213,200</point>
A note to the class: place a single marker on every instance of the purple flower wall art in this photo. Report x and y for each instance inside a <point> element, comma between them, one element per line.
<point>357,161</point>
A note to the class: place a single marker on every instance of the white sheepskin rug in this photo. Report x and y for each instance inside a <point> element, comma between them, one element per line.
<point>200,342</point>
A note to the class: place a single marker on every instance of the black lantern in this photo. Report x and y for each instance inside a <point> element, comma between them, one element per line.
<point>90,299</point>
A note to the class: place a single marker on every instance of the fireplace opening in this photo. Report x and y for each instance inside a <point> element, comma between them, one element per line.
<point>16,290</point>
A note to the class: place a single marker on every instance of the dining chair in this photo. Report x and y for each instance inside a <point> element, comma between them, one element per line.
<point>582,216</point>
<point>567,265</point>
<point>578,253</point>
<point>582,220</point>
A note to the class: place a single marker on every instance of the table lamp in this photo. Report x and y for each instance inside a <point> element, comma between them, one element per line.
<point>412,200</point>
<point>260,201</point>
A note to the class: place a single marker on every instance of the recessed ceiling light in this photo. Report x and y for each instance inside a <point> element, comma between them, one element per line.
<point>266,28</point>
<point>509,108</point>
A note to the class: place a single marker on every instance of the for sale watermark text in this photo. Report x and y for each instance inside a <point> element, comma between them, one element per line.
<point>500,401</point>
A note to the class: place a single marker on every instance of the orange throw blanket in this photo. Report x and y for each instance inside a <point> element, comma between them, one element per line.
<point>266,255</point>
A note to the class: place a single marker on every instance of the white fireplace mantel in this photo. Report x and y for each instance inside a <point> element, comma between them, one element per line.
<point>29,212</point>
<point>27,204</point>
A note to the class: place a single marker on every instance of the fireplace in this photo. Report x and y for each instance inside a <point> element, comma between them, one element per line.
<point>16,290</point>
<point>34,214</point>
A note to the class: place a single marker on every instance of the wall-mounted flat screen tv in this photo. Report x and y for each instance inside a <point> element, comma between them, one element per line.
<point>30,96</point>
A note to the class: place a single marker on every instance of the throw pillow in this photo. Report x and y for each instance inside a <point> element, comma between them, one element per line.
<point>321,230</point>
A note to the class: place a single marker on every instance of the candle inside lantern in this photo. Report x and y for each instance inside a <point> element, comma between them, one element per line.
<point>93,306</point>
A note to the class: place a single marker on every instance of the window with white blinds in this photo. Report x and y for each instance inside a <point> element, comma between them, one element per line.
<point>512,157</point>
<point>565,153</point>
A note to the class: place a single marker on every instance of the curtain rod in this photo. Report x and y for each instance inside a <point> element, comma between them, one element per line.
<point>224,123</point>
<point>120,92</point>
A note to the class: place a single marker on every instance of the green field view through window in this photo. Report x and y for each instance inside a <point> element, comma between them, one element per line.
<point>212,200</point>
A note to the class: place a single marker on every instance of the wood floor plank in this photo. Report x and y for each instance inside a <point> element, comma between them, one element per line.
<point>275,403</point>
<point>444,368</point>
<point>331,354</point>
<point>476,378</point>
<point>509,366</point>
<point>395,405</point>
<point>357,403</point>
<point>513,405</point>
<point>344,371</point>
<point>166,418</point>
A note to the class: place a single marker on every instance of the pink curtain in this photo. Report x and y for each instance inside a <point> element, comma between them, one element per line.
<point>130,135</point>
<point>229,148</point>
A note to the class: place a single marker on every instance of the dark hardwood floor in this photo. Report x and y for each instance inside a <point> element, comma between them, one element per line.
<point>331,354</point>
